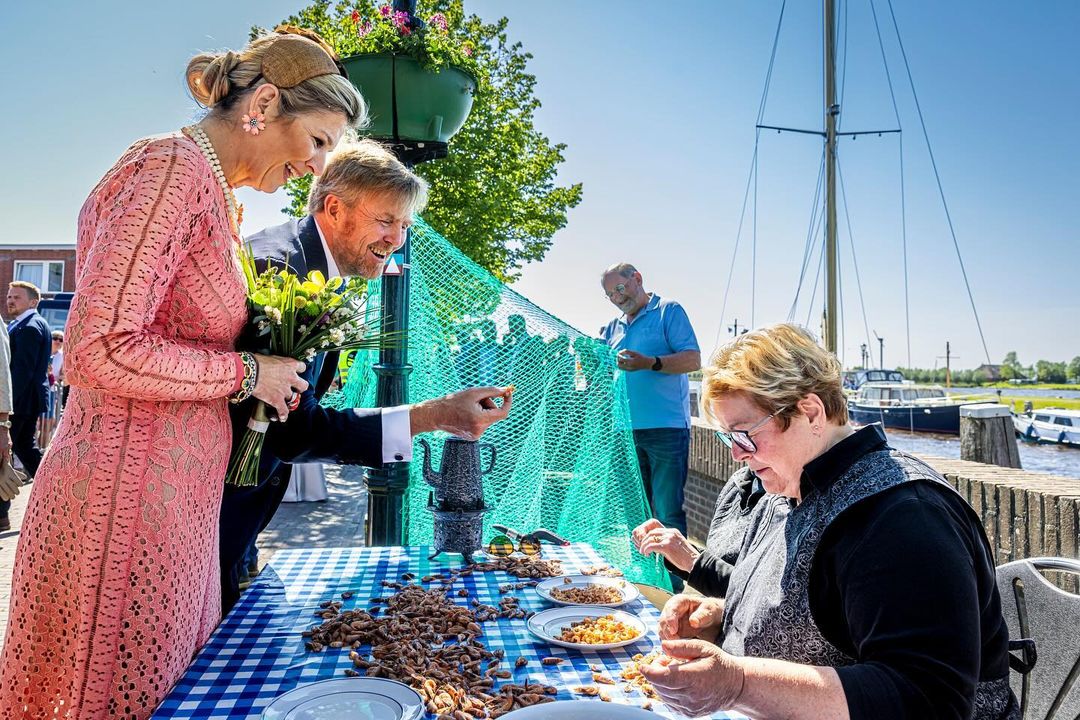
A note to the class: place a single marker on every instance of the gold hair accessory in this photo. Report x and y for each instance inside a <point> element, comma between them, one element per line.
<point>293,58</point>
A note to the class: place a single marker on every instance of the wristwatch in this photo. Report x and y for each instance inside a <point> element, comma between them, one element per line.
<point>658,365</point>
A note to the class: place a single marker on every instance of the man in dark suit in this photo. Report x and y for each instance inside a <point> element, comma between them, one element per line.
<point>361,207</point>
<point>31,346</point>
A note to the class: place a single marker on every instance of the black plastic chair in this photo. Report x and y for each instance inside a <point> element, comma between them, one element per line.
<point>1044,627</point>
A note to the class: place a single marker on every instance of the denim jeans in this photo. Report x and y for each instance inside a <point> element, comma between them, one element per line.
<point>663,456</point>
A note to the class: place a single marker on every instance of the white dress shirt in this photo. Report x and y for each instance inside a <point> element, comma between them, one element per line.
<point>22,316</point>
<point>396,430</point>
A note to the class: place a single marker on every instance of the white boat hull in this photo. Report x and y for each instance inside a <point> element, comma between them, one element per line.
<point>1032,430</point>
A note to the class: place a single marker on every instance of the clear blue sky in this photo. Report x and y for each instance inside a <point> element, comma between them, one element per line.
<point>657,107</point>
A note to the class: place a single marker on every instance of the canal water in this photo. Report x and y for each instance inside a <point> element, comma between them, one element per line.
<point>1056,459</point>
<point>1019,391</point>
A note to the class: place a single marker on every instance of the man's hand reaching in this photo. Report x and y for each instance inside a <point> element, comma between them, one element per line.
<point>466,414</point>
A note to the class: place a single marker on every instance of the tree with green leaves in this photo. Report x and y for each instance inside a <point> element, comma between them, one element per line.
<point>495,195</point>
<point>1050,372</point>
<point>1074,369</point>
<point>1011,367</point>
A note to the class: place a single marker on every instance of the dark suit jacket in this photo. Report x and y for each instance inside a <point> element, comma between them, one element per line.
<point>31,347</point>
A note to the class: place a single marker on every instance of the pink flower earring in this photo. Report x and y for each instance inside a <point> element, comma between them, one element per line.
<point>254,124</point>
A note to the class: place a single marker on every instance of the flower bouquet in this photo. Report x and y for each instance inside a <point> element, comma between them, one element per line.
<point>296,318</point>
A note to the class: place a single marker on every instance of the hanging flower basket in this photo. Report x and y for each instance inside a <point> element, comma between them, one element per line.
<point>408,102</point>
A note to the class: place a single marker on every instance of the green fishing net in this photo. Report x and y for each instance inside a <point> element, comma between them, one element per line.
<point>565,458</point>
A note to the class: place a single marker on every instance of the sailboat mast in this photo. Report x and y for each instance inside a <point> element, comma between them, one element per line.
<point>832,113</point>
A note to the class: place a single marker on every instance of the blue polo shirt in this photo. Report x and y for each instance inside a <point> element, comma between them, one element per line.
<point>657,399</point>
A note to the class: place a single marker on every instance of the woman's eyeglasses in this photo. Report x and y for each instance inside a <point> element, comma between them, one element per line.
<point>503,546</point>
<point>742,437</point>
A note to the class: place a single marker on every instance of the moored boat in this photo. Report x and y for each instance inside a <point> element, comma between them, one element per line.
<point>907,406</point>
<point>1049,425</point>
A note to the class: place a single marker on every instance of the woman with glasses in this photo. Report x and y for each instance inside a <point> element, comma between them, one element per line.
<point>865,586</point>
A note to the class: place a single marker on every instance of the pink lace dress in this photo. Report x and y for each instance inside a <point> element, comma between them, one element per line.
<point>116,577</point>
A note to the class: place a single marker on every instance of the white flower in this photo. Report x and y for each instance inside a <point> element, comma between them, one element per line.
<point>337,336</point>
<point>262,325</point>
<point>274,314</point>
<point>324,343</point>
<point>309,354</point>
<point>303,329</point>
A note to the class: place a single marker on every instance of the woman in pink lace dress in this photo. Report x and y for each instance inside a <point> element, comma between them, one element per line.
<point>116,577</point>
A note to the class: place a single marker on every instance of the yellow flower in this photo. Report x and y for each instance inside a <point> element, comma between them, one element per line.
<point>317,277</point>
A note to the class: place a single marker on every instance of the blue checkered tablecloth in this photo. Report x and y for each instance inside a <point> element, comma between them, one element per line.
<point>257,653</point>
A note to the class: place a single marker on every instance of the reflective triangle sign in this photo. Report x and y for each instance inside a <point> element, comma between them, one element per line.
<point>394,264</point>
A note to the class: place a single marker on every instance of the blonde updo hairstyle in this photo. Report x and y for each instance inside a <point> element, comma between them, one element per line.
<point>776,366</point>
<point>220,80</point>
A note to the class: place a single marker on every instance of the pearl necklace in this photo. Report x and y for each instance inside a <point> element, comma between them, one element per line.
<point>201,139</point>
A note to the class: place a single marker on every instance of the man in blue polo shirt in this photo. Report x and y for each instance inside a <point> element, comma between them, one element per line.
<point>656,349</point>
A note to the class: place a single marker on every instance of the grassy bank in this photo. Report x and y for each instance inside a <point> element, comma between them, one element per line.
<point>1035,386</point>
<point>1016,402</point>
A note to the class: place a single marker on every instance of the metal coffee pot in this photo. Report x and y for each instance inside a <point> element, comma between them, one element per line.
<point>459,485</point>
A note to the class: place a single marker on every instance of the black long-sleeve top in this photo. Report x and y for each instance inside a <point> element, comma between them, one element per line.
<point>904,582</point>
<point>712,568</point>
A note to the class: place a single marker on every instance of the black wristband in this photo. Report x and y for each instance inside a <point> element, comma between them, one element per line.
<point>658,365</point>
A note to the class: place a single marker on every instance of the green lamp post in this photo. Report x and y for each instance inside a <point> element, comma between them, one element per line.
<point>416,112</point>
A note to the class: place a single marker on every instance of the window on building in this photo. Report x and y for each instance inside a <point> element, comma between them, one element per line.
<point>48,275</point>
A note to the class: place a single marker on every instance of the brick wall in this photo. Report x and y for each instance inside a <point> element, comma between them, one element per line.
<point>1025,514</point>
<point>711,465</point>
<point>8,256</point>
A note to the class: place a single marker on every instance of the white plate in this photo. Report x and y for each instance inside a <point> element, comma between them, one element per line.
<point>362,698</point>
<point>628,590</point>
<point>577,710</point>
<point>548,625</point>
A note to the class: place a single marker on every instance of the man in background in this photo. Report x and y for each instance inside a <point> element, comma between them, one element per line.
<point>31,348</point>
<point>5,417</point>
<point>656,348</point>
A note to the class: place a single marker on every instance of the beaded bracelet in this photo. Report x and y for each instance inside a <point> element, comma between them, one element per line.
<point>251,376</point>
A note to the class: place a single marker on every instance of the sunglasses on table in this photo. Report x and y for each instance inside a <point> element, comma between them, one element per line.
<point>742,437</point>
<point>503,546</point>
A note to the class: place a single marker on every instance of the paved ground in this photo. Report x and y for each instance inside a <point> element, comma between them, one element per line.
<point>337,522</point>
<point>8,541</point>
